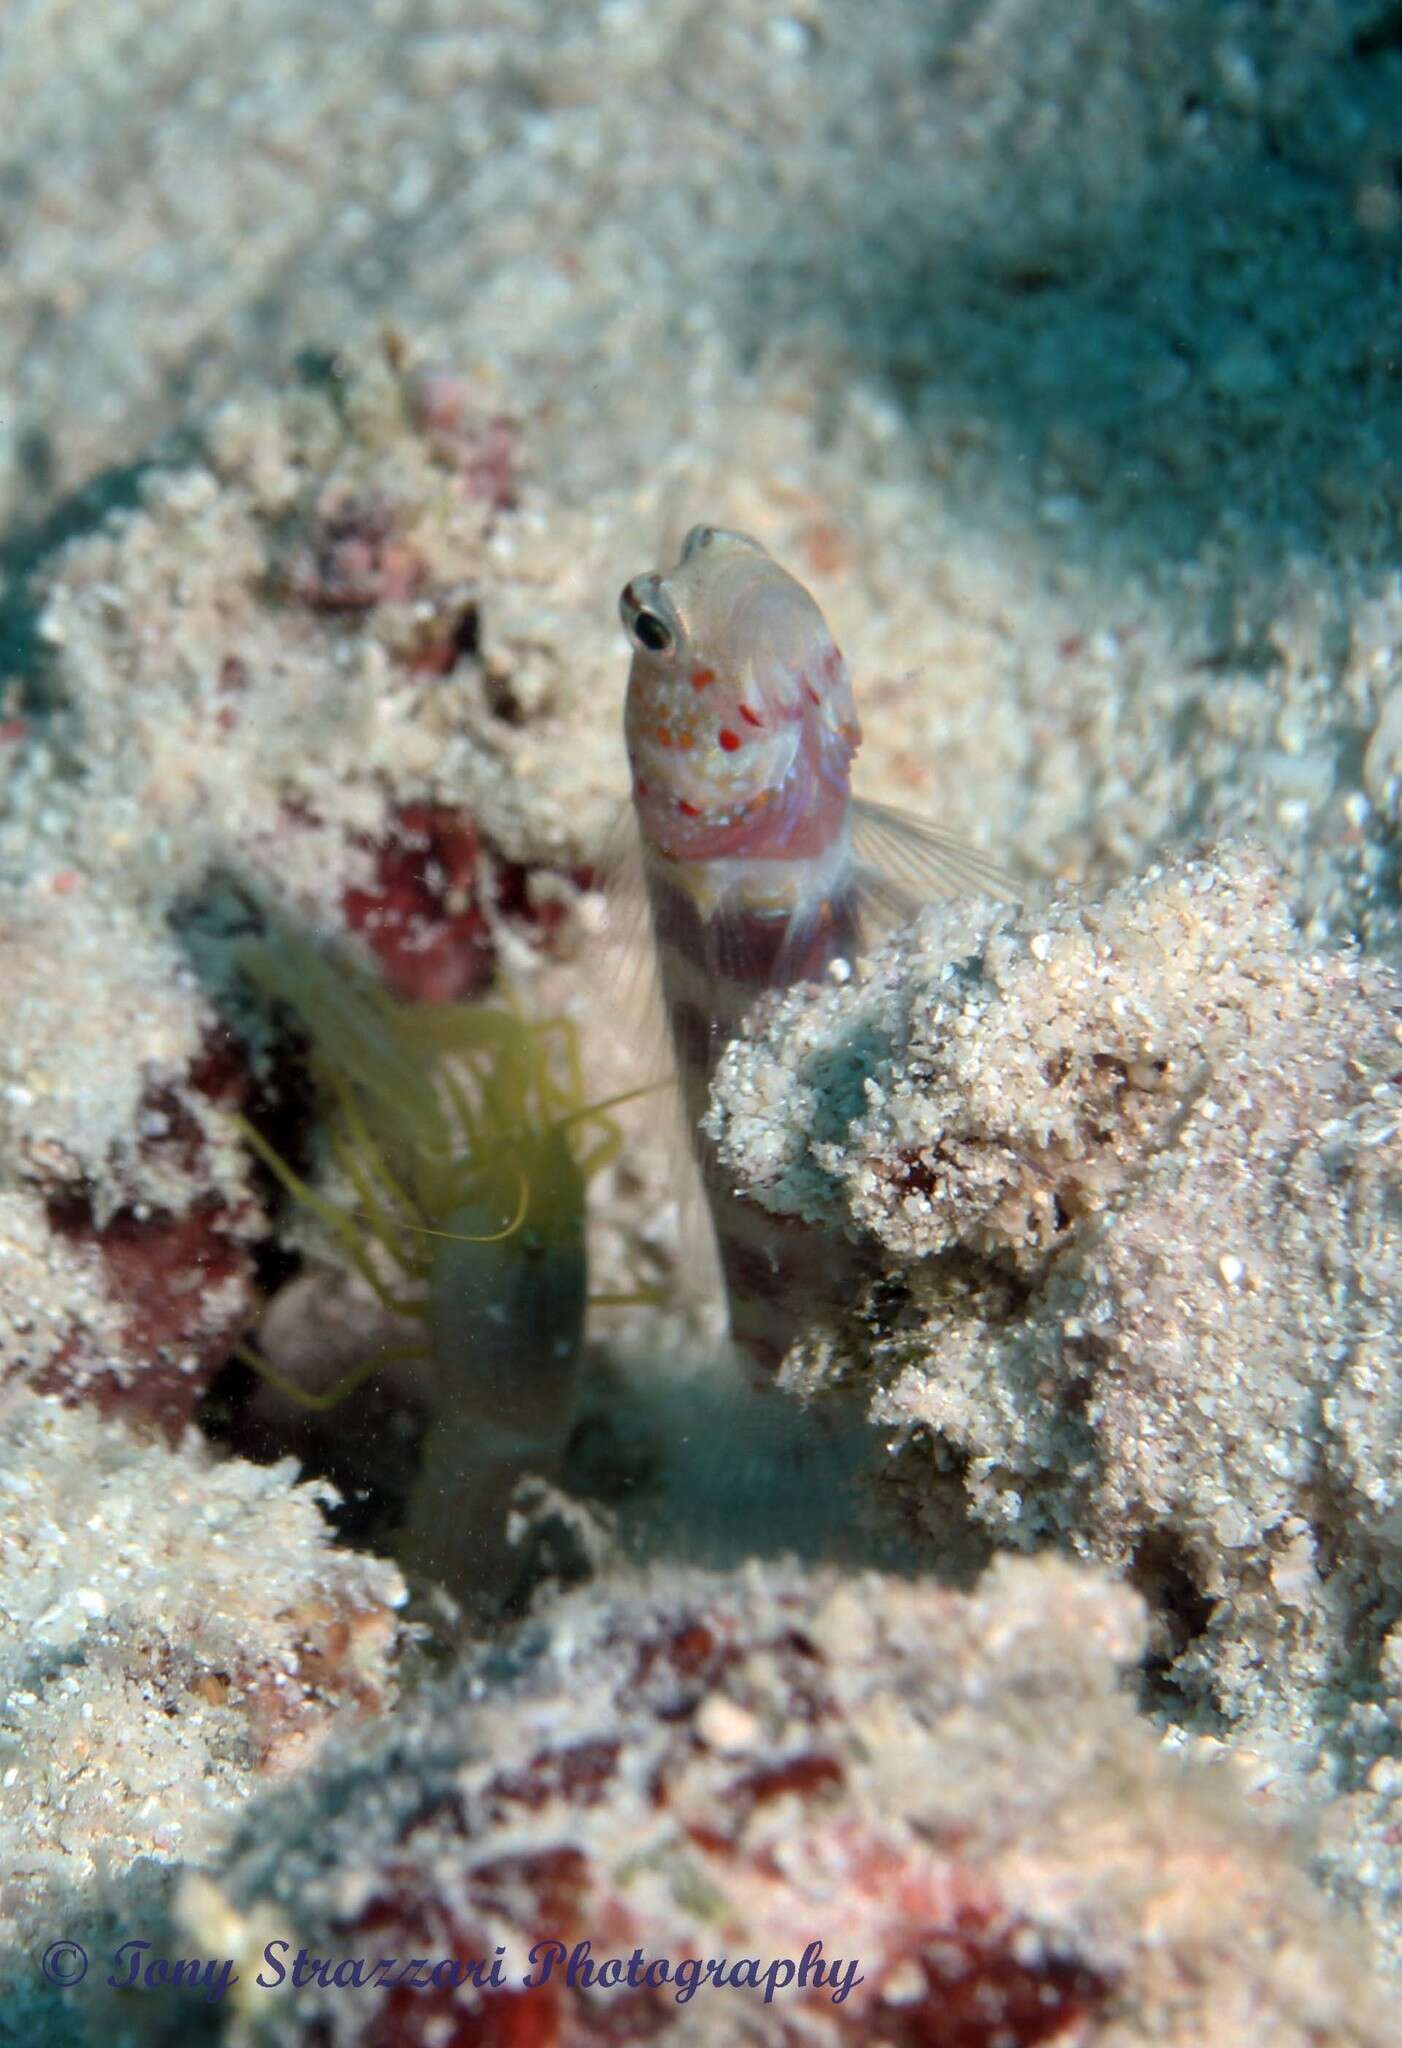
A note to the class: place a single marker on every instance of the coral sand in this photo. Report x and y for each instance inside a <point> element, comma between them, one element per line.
<point>1089,461</point>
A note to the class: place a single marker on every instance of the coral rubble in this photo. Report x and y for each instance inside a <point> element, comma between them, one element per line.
<point>303,670</point>
<point>1092,463</point>
<point>172,1630</point>
<point>952,1793</point>
<point>1133,1168</point>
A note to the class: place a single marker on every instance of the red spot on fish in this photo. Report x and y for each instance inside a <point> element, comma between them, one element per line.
<point>687,810</point>
<point>640,787</point>
<point>728,739</point>
<point>701,678</point>
<point>813,696</point>
<point>750,717</point>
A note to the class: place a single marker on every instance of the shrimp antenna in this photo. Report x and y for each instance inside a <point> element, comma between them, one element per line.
<point>593,1109</point>
<point>523,1203</point>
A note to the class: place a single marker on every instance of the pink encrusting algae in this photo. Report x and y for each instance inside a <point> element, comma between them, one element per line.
<point>741,729</point>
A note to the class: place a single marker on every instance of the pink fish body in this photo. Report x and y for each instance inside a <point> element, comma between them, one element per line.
<point>740,722</point>
<point>741,728</point>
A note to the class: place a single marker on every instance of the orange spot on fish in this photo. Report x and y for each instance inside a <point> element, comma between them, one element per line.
<point>687,810</point>
<point>686,741</point>
<point>750,717</point>
<point>728,739</point>
<point>702,677</point>
<point>663,736</point>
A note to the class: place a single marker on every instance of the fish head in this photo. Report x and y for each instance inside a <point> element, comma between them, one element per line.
<point>739,717</point>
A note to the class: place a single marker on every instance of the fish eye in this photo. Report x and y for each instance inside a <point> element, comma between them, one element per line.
<point>648,617</point>
<point>652,633</point>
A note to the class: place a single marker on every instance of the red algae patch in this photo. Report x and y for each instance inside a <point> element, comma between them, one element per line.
<point>420,917</point>
<point>183,1289</point>
<point>617,1826</point>
<point>314,670</point>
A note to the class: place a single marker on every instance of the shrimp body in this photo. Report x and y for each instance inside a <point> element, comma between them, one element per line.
<point>741,728</point>
<point>466,1136</point>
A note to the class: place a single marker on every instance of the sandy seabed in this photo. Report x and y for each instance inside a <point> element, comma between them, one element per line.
<point>350,360</point>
